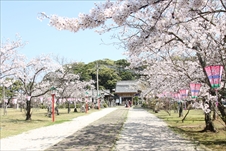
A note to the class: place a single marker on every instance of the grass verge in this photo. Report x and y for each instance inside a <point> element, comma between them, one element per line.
<point>192,126</point>
<point>14,122</point>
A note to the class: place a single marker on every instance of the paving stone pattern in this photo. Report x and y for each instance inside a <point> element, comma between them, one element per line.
<point>100,135</point>
<point>145,132</point>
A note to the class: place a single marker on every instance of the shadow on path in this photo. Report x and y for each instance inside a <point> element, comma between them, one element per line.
<point>99,135</point>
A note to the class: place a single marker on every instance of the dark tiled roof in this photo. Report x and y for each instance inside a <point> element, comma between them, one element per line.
<point>126,86</point>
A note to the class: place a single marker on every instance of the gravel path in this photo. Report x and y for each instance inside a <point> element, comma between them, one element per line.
<point>45,137</point>
<point>144,131</point>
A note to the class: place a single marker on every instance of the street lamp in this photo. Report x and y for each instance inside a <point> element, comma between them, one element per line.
<point>98,99</point>
<point>214,74</point>
<point>195,89</point>
<point>98,95</point>
<point>53,91</point>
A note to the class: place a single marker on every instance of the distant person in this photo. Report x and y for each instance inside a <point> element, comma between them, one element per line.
<point>117,102</point>
<point>126,105</point>
<point>130,103</point>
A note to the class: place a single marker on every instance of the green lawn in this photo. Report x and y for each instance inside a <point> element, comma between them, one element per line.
<point>192,126</point>
<point>14,122</point>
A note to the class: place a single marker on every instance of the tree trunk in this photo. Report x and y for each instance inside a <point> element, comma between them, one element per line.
<point>209,123</point>
<point>28,111</point>
<point>5,108</point>
<point>21,107</point>
<point>189,108</point>
<point>75,109</point>
<point>185,116</point>
<point>222,110</point>
<point>175,107</point>
<point>215,116</point>
<point>68,109</point>
<point>57,110</point>
<point>156,108</point>
<point>180,109</point>
<point>208,120</point>
<point>167,107</point>
<point>168,111</point>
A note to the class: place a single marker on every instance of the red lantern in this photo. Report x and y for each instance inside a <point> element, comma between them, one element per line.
<point>195,89</point>
<point>177,95</point>
<point>214,74</point>
<point>183,93</point>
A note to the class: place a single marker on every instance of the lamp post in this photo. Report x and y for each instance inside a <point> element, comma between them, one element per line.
<point>86,102</point>
<point>53,89</point>
<point>98,99</point>
<point>97,66</point>
<point>98,96</point>
<point>214,74</point>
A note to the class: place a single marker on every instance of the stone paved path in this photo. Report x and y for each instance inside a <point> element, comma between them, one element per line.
<point>42,138</point>
<point>145,132</point>
<point>105,130</point>
<point>100,135</point>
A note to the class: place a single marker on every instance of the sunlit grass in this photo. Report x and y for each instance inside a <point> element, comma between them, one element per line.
<point>14,122</point>
<point>192,126</point>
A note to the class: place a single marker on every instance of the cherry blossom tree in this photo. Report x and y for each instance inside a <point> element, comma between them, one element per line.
<point>67,83</point>
<point>177,38</point>
<point>5,85</point>
<point>31,74</point>
<point>10,59</point>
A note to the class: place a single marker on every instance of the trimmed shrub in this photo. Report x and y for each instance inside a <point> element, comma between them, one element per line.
<point>105,105</point>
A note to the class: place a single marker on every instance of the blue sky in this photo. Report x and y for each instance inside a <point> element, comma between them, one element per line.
<point>84,46</point>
